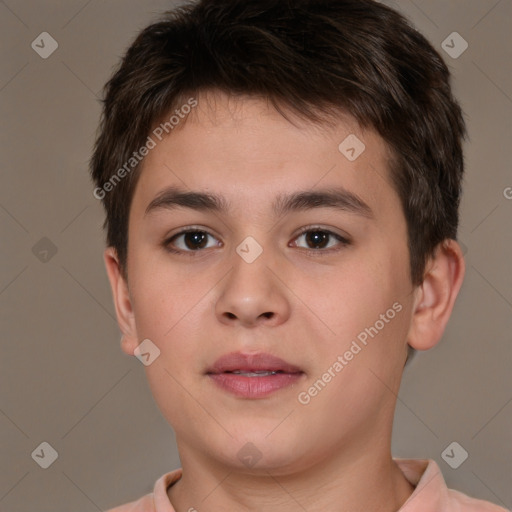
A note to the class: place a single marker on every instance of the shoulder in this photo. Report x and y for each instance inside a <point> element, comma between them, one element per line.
<point>431,493</point>
<point>463,503</point>
<point>157,501</point>
<point>145,504</point>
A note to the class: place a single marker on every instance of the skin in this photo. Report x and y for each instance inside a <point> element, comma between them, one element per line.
<point>301,304</point>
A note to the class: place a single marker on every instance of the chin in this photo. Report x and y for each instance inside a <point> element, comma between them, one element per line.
<point>261,450</point>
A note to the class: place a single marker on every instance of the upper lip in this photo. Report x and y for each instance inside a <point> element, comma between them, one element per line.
<point>237,361</point>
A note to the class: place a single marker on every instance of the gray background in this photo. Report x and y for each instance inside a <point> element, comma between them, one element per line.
<point>63,377</point>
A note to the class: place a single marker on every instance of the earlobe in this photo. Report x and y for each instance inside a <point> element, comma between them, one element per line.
<point>122,301</point>
<point>435,297</point>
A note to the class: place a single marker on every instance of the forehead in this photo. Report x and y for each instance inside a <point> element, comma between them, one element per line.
<point>244,150</point>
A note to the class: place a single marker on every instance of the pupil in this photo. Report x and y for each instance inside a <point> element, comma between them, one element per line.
<point>195,240</point>
<point>317,238</point>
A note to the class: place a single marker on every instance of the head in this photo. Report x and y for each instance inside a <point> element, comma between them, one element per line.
<point>240,109</point>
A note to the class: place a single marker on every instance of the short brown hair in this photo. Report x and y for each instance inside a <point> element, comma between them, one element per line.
<point>315,58</point>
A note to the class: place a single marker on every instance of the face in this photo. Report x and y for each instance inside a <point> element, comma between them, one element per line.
<point>272,273</point>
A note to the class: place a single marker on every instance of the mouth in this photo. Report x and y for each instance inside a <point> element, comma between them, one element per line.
<point>259,373</point>
<point>253,375</point>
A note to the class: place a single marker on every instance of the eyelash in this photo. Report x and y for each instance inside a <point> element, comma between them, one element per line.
<point>343,242</point>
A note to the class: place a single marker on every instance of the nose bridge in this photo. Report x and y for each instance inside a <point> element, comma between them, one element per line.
<point>251,294</point>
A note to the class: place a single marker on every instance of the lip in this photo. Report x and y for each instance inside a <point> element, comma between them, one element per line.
<point>253,386</point>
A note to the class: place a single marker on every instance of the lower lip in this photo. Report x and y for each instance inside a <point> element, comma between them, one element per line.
<point>254,387</point>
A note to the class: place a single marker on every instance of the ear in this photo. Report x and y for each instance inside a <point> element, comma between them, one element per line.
<point>122,301</point>
<point>436,296</point>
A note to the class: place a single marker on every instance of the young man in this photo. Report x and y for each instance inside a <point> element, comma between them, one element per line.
<point>282,181</point>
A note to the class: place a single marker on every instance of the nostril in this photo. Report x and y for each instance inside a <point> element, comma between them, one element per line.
<point>268,315</point>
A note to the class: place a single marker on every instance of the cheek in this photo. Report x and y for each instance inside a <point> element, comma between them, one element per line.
<point>351,296</point>
<point>166,312</point>
<point>164,297</point>
<point>363,306</point>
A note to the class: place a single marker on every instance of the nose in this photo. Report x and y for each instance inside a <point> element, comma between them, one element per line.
<point>252,295</point>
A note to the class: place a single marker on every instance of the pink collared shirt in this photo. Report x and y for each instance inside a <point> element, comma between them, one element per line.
<point>430,494</point>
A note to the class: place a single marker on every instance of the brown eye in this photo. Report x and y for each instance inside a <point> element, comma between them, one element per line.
<point>317,239</point>
<point>195,240</point>
<point>188,241</point>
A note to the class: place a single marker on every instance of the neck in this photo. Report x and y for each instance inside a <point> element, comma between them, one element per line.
<point>365,482</point>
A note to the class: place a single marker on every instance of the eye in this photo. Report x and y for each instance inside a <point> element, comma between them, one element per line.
<point>191,240</point>
<point>317,238</point>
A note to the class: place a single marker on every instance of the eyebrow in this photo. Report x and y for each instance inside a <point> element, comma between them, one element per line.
<point>174,197</point>
<point>337,198</point>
